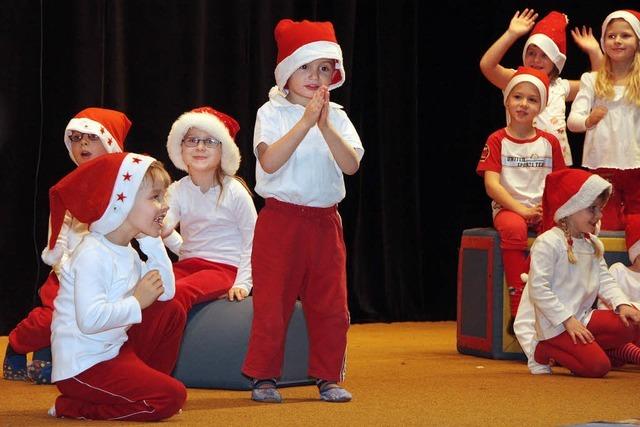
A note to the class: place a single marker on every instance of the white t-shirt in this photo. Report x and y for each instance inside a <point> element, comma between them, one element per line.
<point>311,176</point>
<point>95,304</point>
<point>211,228</point>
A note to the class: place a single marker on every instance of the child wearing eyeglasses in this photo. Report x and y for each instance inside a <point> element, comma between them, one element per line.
<point>213,208</point>
<point>90,134</point>
<point>304,144</point>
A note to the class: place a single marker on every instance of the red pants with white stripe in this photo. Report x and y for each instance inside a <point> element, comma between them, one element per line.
<point>298,252</point>
<point>34,332</point>
<point>199,280</point>
<point>588,360</point>
<point>136,384</point>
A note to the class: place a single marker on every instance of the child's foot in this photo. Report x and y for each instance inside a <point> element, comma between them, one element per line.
<point>332,392</point>
<point>52,411</point>
<point>39,372</point>
<point>265,391</point>
<point>14,366</point>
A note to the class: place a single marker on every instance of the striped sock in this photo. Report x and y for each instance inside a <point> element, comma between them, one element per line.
<point>629,353</point>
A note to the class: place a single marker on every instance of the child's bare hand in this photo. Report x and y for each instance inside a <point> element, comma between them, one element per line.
<point>584,39</point>
<point>522,23</point>
<point>148,288</point>
<point>314,108</point>
<point>628,313</point>
<point>165,231</point>
<point>532,215</point>
<point>237,294</point>
<point>324,114</point>
<point>597,113</point>
<point>577,331</point>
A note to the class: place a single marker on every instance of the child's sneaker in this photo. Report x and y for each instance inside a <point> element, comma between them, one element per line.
<point>332,392</point>
<point>265,391</point>
<point>39,372</point>
<point>14,366</point>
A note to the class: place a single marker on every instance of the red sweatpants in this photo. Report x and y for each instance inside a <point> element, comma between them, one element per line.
<point>588,360</point>
<point>623,208</point>
<point>199,280</point>
<point>34,332</point>
<point>135,385</point>
<point>298,251</point>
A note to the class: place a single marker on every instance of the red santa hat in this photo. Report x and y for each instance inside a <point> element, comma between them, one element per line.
<point>100,192</point>
<point>631,16</point>
<point>217,124</point>
<point>110,125</point>
<point>303,42</point>
<point>568,191</point>
<point>527,74</point>
<point>549,34</point>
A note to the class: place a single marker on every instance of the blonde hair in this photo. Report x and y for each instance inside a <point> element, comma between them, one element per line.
<point>156,173</point>
<point>604,79</point>
<point>598,248</point>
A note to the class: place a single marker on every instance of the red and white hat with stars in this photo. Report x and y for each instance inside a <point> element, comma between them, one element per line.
<point>632,238</point>
<point>527,74</point>
<point>110,125</point>
<point>303,42</point>
<point>217,124</point>
<point>100,192</point>
<point>549,34</point>
<point>631,16</point>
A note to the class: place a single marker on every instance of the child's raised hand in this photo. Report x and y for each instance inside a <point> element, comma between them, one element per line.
<point>628,313</point>
<point>577,331</point>
<point>237,294</point>
<point>314,108</point>
<point>148,289</point>
<point>522,23</point>
<point>584,39</point>
<point>597,113</point>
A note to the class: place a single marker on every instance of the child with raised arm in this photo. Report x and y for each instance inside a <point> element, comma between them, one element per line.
<point>91,133</point>
<point>116,331</point>
<point>304,144</point>
<point>213,208</point>
<point>568,273</point>
<point>607,108</point>
<point>514,163</point>
<point>545,50</point>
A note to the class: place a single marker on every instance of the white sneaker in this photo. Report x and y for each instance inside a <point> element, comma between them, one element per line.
<point>52,411</point>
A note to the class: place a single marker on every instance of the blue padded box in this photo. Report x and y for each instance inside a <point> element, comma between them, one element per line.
<point>215,343</point>
<point>483,299</point>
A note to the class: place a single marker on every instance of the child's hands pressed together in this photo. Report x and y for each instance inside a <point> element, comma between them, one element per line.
<point>315,106</point>
<point>577,331</point>
<point>522,23</point>
<point>148,289</point>
<point>628,313</point>
<point>324,113</point>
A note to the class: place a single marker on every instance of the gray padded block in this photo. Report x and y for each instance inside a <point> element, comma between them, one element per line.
<point>215,343</point>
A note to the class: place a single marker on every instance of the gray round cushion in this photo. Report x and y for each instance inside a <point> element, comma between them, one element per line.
<point>215,343</point>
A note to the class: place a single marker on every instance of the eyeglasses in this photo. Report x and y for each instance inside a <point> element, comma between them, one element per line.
<point>193,141</point>
<point>77,137</point>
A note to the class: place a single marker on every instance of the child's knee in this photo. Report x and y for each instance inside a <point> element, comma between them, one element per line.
<point>173,397</point>
<point>597,367</point>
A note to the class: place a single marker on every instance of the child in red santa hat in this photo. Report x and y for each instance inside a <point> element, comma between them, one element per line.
<point>545,50</point>
<point>304,144</point>
<point>514,163</point>
<point>90,134</point>
<point>213,208</point>
<point>568,273</point>
<point>116,330</point>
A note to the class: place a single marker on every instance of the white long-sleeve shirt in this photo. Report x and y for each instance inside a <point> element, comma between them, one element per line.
<point>629,282</point>
<point>70,236</point>
<point>615,141</point>
<point>212,228</point>
<point>95,304</point>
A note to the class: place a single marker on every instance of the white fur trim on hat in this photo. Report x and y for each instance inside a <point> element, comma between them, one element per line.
<point>542,88</point>
<point>308,53</point>
<point>230,159</point>
<point>627,16</point>
<point>587,194</point>
<point>123,196</point>
<point>549,47</point>
<point>634,251</point>
<point>86,125</point>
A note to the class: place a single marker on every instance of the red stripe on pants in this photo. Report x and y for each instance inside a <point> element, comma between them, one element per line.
<point>298,251</point>
<point>588,360</point>
<point>34,332</point>
<point>136,384</point>
<point>199,280</point>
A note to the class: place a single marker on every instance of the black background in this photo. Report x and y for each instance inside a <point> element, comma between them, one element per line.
<point>414,92</point>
